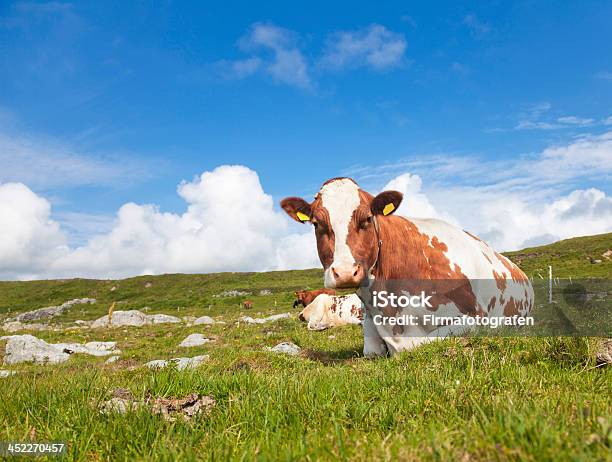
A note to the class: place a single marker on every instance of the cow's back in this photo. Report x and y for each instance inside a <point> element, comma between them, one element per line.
<point>499,287</point>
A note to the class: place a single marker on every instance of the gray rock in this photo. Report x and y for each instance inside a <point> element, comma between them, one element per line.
<point>15,326</point>
<point>287,348</point>
<point>4,373</point>
<point>233,293</point>
<point>27,348</point>
<point>275,317</point>
<point>157,364</point>
<point>133,318</point>
<point>50,311</point>
<point>112,359</point>
<point>194,340</point>
<point>603,356</point>
<point>119,406</point>
<point>181,363</point>
<point>203,320</point>
<point>162,319</point>
<point>89,348</point>
<point>265,292</point>
<point>121,318</point>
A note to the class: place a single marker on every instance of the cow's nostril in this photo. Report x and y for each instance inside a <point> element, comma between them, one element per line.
<point>335,273</point>
<point>357,269</point>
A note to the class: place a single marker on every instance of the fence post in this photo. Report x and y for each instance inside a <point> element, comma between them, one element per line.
<point>550,284</point>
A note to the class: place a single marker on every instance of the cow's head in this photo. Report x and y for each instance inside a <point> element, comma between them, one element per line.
<point>316,316</point>
<point>342,215</point>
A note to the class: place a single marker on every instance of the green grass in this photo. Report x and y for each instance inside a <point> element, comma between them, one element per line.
<point>474,399</point>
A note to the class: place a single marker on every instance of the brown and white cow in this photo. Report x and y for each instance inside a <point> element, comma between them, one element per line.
<point>305,297</point>
<point>327,311</point>
<point>361,243</point>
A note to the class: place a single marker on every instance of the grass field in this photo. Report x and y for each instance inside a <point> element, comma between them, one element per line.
<point>465,399</point>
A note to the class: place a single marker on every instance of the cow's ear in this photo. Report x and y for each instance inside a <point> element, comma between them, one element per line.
<point>297,208</point>
<point>386,202</point>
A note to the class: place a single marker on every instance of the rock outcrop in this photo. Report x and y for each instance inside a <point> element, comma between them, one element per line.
<point>27,348</point>
<point>133,318</point>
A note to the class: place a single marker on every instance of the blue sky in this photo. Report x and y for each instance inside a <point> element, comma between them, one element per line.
<point>105,103</point>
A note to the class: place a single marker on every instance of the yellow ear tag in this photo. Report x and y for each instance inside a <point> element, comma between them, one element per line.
<point>388,208</point>
<point>302,216</point>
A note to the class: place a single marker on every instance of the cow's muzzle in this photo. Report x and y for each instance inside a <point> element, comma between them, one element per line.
<point>347,276</point>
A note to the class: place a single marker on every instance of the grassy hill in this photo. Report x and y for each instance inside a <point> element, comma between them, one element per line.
<point>579,257</point>
<point>469,399</point>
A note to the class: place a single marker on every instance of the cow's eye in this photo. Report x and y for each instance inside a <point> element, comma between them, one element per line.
<point>365,223</point>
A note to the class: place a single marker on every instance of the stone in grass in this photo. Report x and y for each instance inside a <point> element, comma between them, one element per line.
<point>121,402</point>
<point>287,348</point>
<point>184,408</point>
<point>169,409</point>
<point>4,373</point>
<point>603,357</point>
<point>112,359</point>
<point>15,326</point>
<point>162,319</point>
<point>133,318</point>
<point>274,317</point>
<point>203,320</point>
<point>27,348</point>
<point>181,363</point>
<point>194,340</point>
<point>52,311</point>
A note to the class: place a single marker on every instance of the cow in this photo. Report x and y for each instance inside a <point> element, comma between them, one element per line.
<point>247,304</point>
<point>305,297</point>
<point>327,311</point>
<point>362,244</point>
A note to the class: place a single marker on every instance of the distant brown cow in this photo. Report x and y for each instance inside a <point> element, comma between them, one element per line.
<point>306,297</point>
<point>247,304</point>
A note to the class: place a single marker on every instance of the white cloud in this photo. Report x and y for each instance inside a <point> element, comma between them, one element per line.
<point>30,239</point>
<point>535,125</point>
<point>513,221</point>
<point>45,162</point>
<point>230,224</point>
<point>277,54</point>
<point>607,121</point>
<point>477,28</point>
<point>415,203</point>
<point>573,120</point>
<point>511,204</point>
<point>241,68</point>
<point>533,118</point>
<point>590,155</point>
<point>375,47</point>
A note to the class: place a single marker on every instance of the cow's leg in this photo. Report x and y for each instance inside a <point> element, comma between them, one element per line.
<point>373,343</point>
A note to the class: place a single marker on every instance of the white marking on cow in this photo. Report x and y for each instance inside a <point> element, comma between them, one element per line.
<point>341,199</point>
